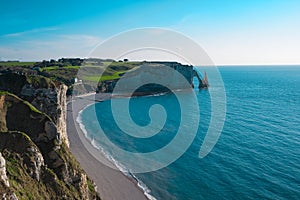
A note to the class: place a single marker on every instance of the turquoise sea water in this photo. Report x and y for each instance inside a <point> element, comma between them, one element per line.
<point>257,155</point>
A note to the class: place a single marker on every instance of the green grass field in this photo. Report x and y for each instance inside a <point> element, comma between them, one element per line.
<point>104,77</point>
<point>113,70</point>
<point>90,72</point>
<point>57,67</point>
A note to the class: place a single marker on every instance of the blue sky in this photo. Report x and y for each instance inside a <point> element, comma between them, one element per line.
<point>231,31</point>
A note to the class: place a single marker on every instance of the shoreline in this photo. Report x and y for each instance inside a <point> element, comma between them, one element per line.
<point>111,183</point>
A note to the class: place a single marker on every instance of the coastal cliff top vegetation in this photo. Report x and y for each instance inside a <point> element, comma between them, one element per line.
<point>93,71</point>
<point>65,69</point>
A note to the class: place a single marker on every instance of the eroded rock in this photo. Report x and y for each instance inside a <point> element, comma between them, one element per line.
<point>3,176</point>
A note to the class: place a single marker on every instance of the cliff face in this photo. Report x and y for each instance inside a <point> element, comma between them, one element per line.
<point>5,191</point>
<point>3,175</point>
<point>34,143</point>
<point>29,176</point>
<point>43,94</point>
<point>167,73</point>
<point>52,101</point>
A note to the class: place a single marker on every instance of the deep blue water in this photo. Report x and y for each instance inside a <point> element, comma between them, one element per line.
<point>257,155</point>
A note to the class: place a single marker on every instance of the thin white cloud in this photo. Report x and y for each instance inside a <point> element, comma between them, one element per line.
<point>36,30</point>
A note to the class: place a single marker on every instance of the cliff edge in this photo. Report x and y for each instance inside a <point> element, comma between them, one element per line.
<point>35,161</point>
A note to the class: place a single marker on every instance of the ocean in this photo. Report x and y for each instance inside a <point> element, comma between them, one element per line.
<point>256,157</point>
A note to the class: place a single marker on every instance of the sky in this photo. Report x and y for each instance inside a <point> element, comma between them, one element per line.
<point>231,32</point>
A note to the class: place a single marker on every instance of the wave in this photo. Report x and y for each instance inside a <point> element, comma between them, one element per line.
<point>107,155</point>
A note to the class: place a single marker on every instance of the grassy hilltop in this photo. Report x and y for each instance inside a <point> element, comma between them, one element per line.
<point>65,70</point>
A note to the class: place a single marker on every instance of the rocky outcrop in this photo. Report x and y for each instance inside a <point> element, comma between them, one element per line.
<point>47,96</point>
<point>51,101</point>
<point>5,191</point>
<point>62,113</point>
<point>31,141</point>
<point>3,176</point>
<point>203,81</point>
<point>21,144</point>
<point>2,114</point>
